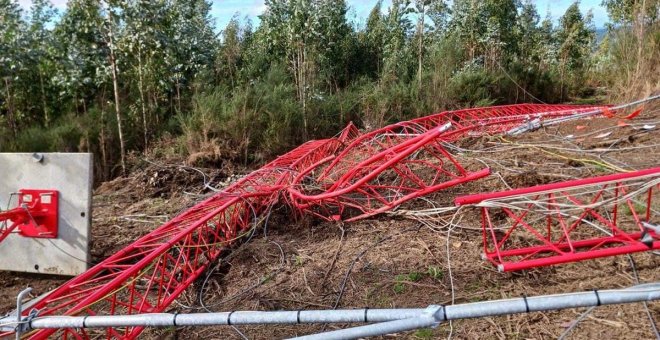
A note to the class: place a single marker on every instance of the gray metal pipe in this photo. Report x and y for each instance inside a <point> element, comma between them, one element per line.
<point>227,318</point>
<point>429,318</point>
<point>409,317</point>
<point>19,310</point>
<point>537,123</point>
<point>647,292</point>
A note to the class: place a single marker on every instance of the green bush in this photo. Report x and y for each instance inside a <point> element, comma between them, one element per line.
<point>435,272</point>
<point>63,136</point>
<point>252,123</point>
<point>473,86</point>
<point>424,333</point>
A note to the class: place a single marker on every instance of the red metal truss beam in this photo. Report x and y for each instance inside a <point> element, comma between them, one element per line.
<point>569,221</point>
<point>477,121</point>
<point>35,216</point>
<point>386,167</point>
<point>499,119</point>
<point>326,177</point>
<point>147,275</point>
<point>416,167</point>
<point>16,216</point>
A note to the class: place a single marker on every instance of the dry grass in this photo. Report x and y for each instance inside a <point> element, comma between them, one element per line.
<point>392,261</point>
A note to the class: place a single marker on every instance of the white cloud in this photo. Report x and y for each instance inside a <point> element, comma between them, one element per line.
<point>257,9</point>
<point>59,4</point>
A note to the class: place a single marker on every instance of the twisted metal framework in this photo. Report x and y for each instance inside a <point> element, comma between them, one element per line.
<point>147,275</point>
<point>16,216</point>
<point>35,215</point>
<point>570,221</point>
<point>348,176</point>
<point>383,168</point>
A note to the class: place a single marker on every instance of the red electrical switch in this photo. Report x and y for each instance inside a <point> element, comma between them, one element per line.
<point>35,216</point>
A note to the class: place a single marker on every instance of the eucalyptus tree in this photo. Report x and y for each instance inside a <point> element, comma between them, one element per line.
<point>468,24</point>
<point>24,48</point>
<point>109,26</point>
<point>89,60</point>
<point>632,12</point>
<point>12,41</point>
<point>634,26</point>
<point>576,37</point>
<point>230,52</point>
<point>333,42</point>
<point>420,6</point>
<point>372,40</point>
<point>81,54</point>
<point>548,46</point>
<point>192,45</point>
<point>41,51</point>
<point>397,29</point>
<point>528,35</point>
<point>437,12</point>
<point>291,30</point>
<point>142,44</point>
<point>500,41</point>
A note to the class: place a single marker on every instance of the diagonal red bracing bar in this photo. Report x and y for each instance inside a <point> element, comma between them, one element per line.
<point>150,273</point>
<point>413,168</point>
<point>570,221</point>
<point>365,173</point>
<point>35,216</point>
<point>386,167</point>
<point>10,220</point>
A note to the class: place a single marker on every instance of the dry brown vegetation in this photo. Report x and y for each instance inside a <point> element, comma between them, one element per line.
<point>390,260</point>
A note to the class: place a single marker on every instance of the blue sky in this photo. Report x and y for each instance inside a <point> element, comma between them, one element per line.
<point>223,10</point>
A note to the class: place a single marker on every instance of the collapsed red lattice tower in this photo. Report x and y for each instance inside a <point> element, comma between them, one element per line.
<point>381,169</point>
<point>349,176</point>
<point>570,221</point>
<point>35,216</point>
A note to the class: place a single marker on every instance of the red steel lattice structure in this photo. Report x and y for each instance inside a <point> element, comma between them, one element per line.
<point>35,216</point>
<point>386,167</point>
<point>365,174</point>
<point>150,273</point>
<point>570,221</point>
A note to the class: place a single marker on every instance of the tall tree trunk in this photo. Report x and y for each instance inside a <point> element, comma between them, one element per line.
<point>10,108</point>
<point>640,40</point>
<point>304,91</point>
<point>299,73</point>
<point>561,82</point>
<point>43,99</point>
<point>115,87</point>
<point>420,49</point>
<point>230,62</point>
<point>152,100</point>
<point>178,95</point>
<point>104,156</point>
<point>144,109</point>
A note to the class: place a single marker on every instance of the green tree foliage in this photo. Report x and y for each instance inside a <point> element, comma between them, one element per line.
<point>529,35</point>
<point>114,76</point>
<point>627,12</point>
<point>629,57</point>
<point>371,40</point>
<point>576,36</point>
<point>13,45</point>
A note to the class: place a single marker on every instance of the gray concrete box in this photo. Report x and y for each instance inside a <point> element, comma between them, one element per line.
<point>71,175</point>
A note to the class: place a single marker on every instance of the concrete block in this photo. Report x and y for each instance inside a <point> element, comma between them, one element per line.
<point>70,174</point>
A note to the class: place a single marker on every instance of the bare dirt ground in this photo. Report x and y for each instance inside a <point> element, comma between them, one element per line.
<point>393,261</point>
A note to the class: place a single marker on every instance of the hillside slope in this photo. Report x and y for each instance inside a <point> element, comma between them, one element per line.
<point>391,260</point>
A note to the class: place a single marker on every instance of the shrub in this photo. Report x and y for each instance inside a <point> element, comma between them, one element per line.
<point>65,135</point>
<point>473,86</point>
